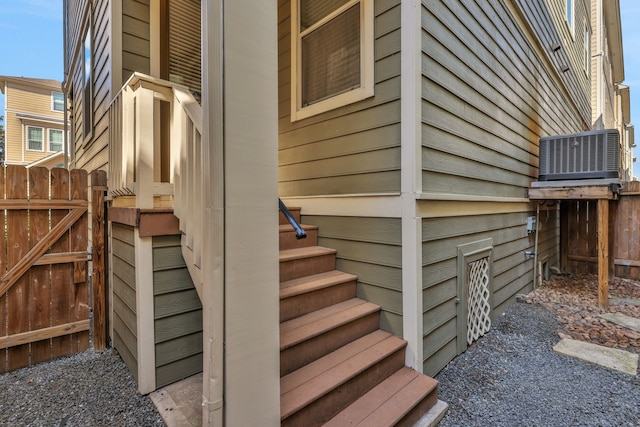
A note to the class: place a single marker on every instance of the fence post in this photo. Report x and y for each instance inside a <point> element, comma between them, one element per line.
<point>100,297</point>
<point>603,253</point>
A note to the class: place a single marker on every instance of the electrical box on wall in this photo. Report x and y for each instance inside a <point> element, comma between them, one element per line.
<point>531,224</point>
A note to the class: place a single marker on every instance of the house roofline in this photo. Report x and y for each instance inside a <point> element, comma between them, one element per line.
<point>625,103</point>
<point>46,159</point>
<point>32,82</point>
<point>21,115</point>
<point>614,36</point>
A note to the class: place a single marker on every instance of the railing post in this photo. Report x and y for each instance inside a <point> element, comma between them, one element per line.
<point>128,138</point>
<point>144,145</point>
<point>178,124</point>
<point>144,160</point>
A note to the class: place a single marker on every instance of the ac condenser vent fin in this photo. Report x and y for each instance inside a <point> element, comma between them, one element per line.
<point>585,155</point>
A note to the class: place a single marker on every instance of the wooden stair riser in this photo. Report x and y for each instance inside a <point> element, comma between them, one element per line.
<point>302,304</point>
<point>400,399</point>
<point>332,350</point>
<point>295,212</point>
<point>316,347</point>
<point>288,239</point>
<point>323,409</point>
<point>419,410</point>
<point>302,267</point>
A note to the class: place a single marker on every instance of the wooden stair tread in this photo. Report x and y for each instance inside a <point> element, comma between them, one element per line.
<point>311,382</point>
<point>320,366</point>
<point>314,282</point>
<point>320,321</point>
<point>387,403</point>
<point>284,228</point>
<point>306,252</point>
<point>336,367</point>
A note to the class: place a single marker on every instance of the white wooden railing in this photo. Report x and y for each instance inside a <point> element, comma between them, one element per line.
<point>154,162</point>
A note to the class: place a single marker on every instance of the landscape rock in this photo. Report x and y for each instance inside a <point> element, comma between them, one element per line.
<point>512,376</point>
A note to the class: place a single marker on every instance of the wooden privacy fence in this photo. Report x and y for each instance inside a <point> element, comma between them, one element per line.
<point>44,288</point>
<point>579,234</point>
<point>579,242</point>
<point>627,232</point>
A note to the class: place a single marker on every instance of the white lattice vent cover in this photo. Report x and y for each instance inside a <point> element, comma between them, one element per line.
<point>478,307</point>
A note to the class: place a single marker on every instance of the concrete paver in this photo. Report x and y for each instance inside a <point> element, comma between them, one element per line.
<point>611,358</point>
<point>623,320</point>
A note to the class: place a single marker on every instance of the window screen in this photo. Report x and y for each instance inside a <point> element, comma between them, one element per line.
<point>58,101</point>
<point>331,57</point>
<point>35,138</point>
<point>55,140</point>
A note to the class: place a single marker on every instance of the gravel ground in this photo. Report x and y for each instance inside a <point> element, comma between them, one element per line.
<point>512,377</point>
<point>87,389</point>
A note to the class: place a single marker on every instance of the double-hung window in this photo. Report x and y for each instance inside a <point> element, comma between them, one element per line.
<point>57,101</point>
<point>87,90</point>
<point>587,51</point>
<point>55,140</point>
<point>570,16</point>
<point>35,138</point>
<point>331,54</point>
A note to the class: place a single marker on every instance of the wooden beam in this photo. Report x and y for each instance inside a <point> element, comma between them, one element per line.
<point>151,222</point>
<point>158,224</point>
<point>62,258</point>
<point>603,253</point>
<point>122,215</point>
<point>18,270</point>
<point>43,334</point>
<point>24,204</point>
<point>596,192</point>
<point>582,258</point>
<point>627,262</point>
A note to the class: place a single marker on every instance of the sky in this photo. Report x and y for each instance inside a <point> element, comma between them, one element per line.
<point>630,15</point>
<point>31,45</point>
<point>31,40</point>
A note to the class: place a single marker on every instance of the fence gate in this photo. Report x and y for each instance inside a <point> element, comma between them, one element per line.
<point>44,289</point>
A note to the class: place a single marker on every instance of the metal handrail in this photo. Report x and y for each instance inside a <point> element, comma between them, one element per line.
<point>300,233</point>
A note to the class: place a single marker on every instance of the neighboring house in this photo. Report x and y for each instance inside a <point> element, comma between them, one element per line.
<point>609,97</point>
<point>410,144</point>
<point>34,121</point>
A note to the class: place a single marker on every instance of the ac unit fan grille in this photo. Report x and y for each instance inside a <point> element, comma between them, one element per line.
<point>585,155</point>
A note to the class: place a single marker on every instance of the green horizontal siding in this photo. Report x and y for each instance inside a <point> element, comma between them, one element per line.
<point>177,314</point>
<point>487,99</point>
<point>512,272</point>
<point>125,327</point>
<point>352,149</point>
<point>136,34</point>
<point>369,248</point>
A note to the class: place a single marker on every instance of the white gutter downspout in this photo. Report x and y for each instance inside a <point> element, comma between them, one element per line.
<point>213,314</point>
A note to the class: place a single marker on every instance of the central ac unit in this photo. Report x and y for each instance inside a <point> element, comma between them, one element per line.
<point>585,155</point>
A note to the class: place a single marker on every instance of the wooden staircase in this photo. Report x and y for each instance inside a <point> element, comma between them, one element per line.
<point>337,367</point>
